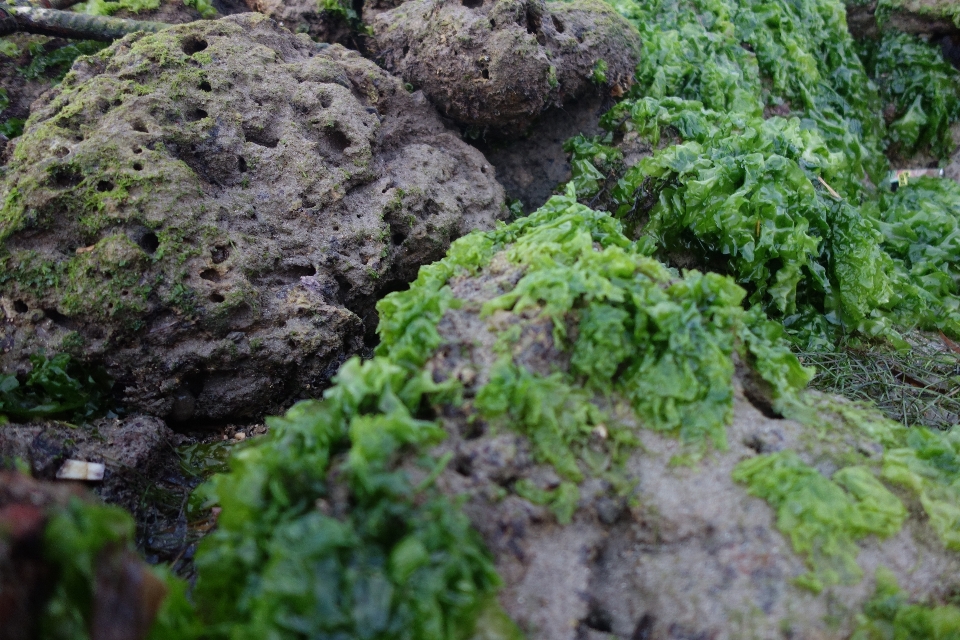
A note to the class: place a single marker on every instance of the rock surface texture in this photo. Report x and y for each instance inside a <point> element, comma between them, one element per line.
<point>211,212</point>
<point>307,16</point>
<point>495,66</point>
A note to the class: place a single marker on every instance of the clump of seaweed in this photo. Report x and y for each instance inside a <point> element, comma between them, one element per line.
<point>773,142</point>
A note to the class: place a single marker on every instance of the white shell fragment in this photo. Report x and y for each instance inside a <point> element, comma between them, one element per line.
<point>80,470</point>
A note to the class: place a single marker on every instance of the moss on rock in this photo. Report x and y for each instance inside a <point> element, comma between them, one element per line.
<point>184,194</point>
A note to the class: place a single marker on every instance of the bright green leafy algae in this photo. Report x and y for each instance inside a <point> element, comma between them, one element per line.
<point>922,87</point>
<point>767,135</point>
<point>291,560</point>
<point>823,517</point>
<point>321,535</point>
<point>890,616</point>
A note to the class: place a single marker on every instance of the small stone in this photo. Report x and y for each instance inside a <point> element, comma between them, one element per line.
<point>81,470</point>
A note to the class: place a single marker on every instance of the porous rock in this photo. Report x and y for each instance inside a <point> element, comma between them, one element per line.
<point>687,552</point>
<point>212,211</point>
<point>307,16</point>
<point>495,65</point>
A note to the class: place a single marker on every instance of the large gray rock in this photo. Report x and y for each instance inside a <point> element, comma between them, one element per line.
<point>212,211</point>
<point>497,65</point>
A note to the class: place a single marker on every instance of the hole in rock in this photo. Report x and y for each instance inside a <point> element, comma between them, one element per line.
<point>398,238</point>
<point>219,253</point>
<point>406,49</point>
<point>217,298</point>
<point>149,242</point>
<point>193,44</point>
<point>139,126</point>
<point>241,164</point>
<point>196,114</point>
<point>210,274</point>
<point>599,619</point>
<point>558,24</point>
<point>137,150</point>
<point>138,166</point>
<point>260,137</point>
<point>485,74</point>
<point>61,320</point>
<point>66,176</point>
<point>195,383</point>
<point>534,20</point>
<point>463,465</point>
<point>62,152</point>
<point>205,86</point>
<point>104,185</point>
<point>472,4</point>
<point>338,140</point>
<point>20,306</point>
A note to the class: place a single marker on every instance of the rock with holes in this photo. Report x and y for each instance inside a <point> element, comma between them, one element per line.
<point>212,211</point>
<point>495,65</point>
<point>311,17</point>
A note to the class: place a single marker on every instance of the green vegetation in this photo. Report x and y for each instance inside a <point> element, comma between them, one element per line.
<point>55,388</point>
<point>823,517</point>
<point>110,7</point>
<point>768,134</point>
<point>55,63</point>
<point>321,536</point>
<point>890,616</point>
<point>922,88</point>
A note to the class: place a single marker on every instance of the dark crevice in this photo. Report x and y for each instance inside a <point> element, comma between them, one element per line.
<point>149,242</point>
<point>193,44</point>
<point>599,619</point>
<point>219,253</point>
<point>260,137</point>
<point>644,628</point>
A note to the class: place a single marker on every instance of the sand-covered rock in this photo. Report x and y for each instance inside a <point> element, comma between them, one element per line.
<point>497,65</point>
<point>631,470</point>
<point>212,211</point>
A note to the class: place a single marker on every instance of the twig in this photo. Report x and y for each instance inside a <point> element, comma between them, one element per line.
<point>829,188</point>
<point>67,24</point>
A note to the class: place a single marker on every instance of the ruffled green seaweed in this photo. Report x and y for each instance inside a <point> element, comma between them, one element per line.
<point>767,139</point>
<point>823,517</point>
<point>889,615</point>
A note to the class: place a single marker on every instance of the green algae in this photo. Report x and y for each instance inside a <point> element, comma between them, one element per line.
<point>767,136</point>
<point>55,387</point>
<point>290,558</point>
<point>823,517</point>
<point>889,615</point>
<point>922,87</point>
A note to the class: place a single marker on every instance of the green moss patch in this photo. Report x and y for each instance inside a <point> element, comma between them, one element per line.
<point>823,518</point>
<point>889,615</point>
